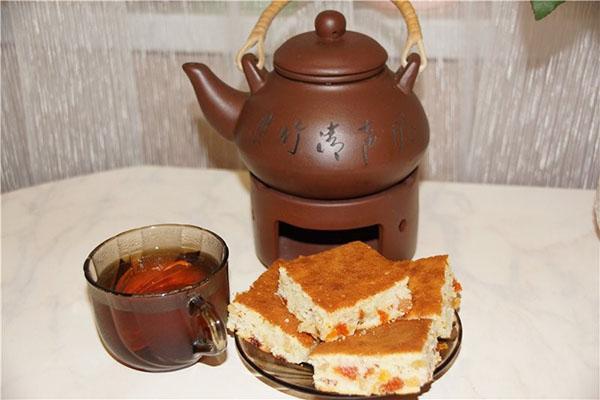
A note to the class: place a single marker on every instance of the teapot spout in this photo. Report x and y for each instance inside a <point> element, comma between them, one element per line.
<point>220,103</point>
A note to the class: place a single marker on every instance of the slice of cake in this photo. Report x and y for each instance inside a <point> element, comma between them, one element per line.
<point>260,317</point>
<point>338,291</point>
<point>434,292</point>
<point>394,358</point>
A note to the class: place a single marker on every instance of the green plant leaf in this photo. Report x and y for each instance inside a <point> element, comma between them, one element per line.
<point>542,8</point>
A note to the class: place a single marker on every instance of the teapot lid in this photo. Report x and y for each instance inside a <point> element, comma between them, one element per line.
<point>330,54</point>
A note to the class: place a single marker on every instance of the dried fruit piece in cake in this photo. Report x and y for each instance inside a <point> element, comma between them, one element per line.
<point>260,317</point>
<point>395,358</point>
<point>435,292</point>
<point>339,291</point>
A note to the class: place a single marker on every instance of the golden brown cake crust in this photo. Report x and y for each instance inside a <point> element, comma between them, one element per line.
<point>342,276</point>
<point>401,336</point>
<point>426,279</point>
<point>262,298</point>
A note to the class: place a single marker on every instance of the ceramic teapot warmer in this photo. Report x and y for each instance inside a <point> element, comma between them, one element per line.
<point>332,138</point>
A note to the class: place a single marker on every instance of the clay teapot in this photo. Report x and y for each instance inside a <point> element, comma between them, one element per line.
<point>331,121</point>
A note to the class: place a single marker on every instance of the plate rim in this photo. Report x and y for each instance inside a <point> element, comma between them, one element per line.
<point>441,369</point>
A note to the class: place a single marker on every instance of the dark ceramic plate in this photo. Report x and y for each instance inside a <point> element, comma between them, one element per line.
<point>297,378</point>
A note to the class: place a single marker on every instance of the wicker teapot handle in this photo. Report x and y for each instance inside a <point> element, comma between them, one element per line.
<point>258,33</point>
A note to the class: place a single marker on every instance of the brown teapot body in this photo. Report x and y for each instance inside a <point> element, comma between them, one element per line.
<point>322,130</point>
<point>332,141</point>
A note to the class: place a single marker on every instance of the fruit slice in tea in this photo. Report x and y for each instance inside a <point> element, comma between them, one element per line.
<point>160,273</point>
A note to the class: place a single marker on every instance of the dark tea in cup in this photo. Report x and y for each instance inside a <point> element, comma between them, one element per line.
<point>160,304</point>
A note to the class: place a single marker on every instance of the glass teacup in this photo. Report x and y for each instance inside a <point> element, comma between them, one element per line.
<point>159,295</point>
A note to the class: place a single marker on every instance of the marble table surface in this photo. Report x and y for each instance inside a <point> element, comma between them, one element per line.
<point>528,259</point>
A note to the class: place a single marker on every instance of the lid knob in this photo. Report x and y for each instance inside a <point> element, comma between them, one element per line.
<point>330,24</point>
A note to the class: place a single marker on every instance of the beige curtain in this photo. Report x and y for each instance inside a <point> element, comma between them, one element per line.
<point>91,86</point>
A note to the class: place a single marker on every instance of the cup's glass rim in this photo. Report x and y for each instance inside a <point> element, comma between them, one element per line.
<point>88,260</point>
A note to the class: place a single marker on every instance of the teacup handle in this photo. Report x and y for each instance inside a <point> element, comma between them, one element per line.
<point>258,33</point>
<point>212,340</point>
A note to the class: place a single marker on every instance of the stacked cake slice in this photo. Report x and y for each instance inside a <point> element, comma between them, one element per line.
<point>367,325</point>
<point>339,291</point>
<point>434,292</point>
